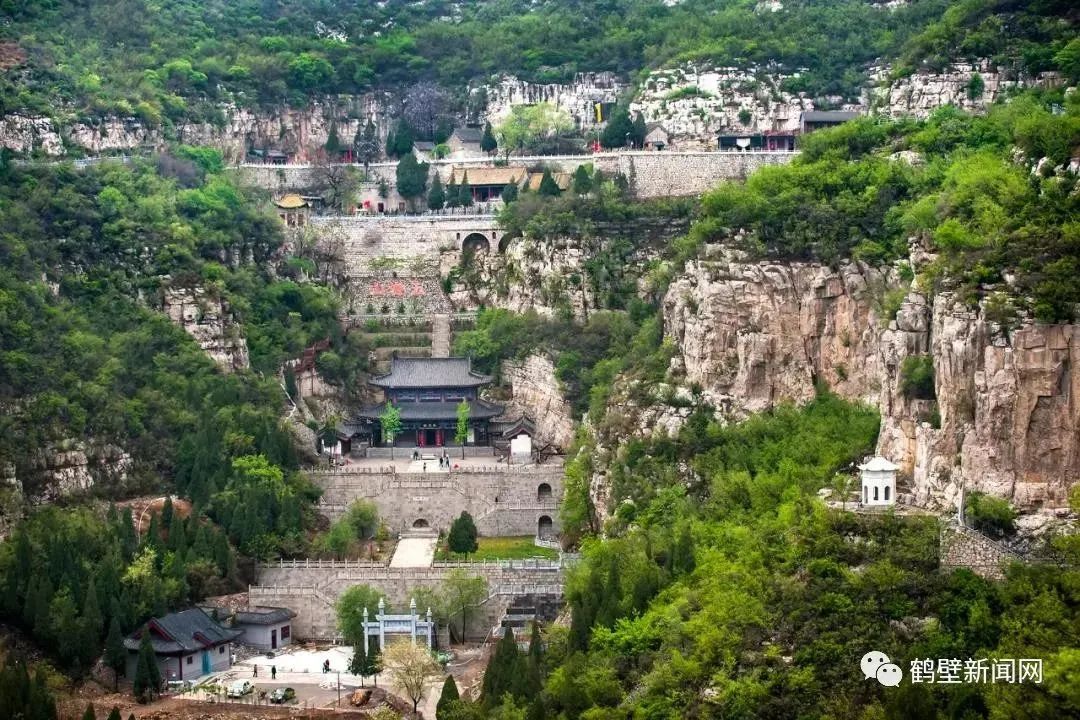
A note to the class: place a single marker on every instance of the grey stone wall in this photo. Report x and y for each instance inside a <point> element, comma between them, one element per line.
<point>654,174</point>
<point>311,591</point>
<point>962,547</point>
<point>502,502</point>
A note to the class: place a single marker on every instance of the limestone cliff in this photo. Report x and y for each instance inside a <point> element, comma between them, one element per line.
<point>1006,419</point>
<point>207,319</point>
<point>536,392</point>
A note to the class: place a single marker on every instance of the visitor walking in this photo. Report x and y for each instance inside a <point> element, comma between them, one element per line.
<point>273,672</point>
<point>254,671</point>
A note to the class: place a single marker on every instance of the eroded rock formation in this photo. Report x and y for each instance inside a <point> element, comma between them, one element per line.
<point>208,319</point>
<point>1006,419</point>
<point>536,392</point>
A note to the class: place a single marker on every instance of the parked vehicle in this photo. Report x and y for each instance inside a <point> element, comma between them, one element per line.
<point>240,688</point>
<point>283,695</point>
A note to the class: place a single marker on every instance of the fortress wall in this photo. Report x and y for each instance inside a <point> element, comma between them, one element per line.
<point>501,502</point>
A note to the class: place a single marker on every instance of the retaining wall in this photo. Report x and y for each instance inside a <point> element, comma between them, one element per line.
<point>502,502</point>
<point>652,174</point>
<point>962,547</point>
<point>311,592</point>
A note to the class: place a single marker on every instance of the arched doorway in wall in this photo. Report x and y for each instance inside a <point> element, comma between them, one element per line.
<point>545,527</point>
<point>505,241</point>
<point>420,524</point>
<point>543,492</point>
<point>474,243</point>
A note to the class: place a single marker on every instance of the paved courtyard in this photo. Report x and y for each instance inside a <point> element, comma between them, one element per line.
<point>414,552</point>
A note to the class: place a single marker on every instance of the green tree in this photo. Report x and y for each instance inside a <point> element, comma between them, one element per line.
<point>436,198</point>
<point>89,713</point>
<point>510,193</point>
<point>462,593</point>
<point>308,71</point>
<point>115,652</point>
<point>534,662</point>
<point>619,131</point>
<point>350,608</point>
<point>462,535</point>
<point>358,663</point>
<point>147,675</point>
<point>505,671</point>
<point>464,191</point>
<point>488,143</point>
<point>390,422</point>
<point>682,554</point>
<point>411,178</point>
<point>366,143</point>
<point>114,714</point>
<point>548,186</point>
<point>403,140</point>
<point>461,434</point>
<point>449,695</point>
<point>453,199</point>
<point>640,130</point>
<point>582,181</point>
<point>333,143</point>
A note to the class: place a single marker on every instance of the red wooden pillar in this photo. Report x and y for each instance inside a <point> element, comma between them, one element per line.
<point>420,438</point>
<point>438,437</point>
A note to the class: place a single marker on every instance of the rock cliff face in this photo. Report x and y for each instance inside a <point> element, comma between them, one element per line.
<point>71,466</point>
<point>1006,419</point>
<point>536,392</point>
<point>298,133</point>
<point>209,321</point>
<point>577,98</point>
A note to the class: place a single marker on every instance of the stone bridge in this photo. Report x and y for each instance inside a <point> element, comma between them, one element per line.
<point>310,588</point>
<point>412,243</point>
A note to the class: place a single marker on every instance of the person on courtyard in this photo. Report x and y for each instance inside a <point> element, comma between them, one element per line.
<point>273,672</point>
<point>254,671</point>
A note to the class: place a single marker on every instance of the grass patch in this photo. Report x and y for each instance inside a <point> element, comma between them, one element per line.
<point>501,548</point>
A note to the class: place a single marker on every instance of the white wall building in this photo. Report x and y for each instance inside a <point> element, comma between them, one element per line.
<point>878,482</point>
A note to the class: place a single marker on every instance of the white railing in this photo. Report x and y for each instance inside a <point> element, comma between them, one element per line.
<point>547,543</point>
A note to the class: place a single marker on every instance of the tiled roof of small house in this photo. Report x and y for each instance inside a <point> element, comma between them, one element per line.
<point>561,179</point>
<point>263,616</point>
<point>183,632</point>
<point>500,176</point>
<point>292,201</point>
<point>469,134</point>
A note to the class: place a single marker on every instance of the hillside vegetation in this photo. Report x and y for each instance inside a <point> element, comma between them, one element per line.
<point>168,62</point>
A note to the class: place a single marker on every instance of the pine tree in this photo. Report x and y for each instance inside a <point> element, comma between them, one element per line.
<point>548,186</point>
<point>619,130</point>
<point>510,193</point>
<point>682,555</point>
<point>333,143</point>
<point>503,674</point>
<point>452,196</point>
<point>359,660</point>
<point>89,714</point>
<point>488,143</point>
<point>436,196</point>
<point>147,673</point>
<point>167,512</point>
<point>115,652</point>
<point>640,130</point>
<point>91,625</point>
<point>411,177</point>
<point>534,660</point>
<point>582,181</point>
<point>177,534</point>
<point>465,198</point>
<point>449,695</point>
<point>403,139</point>
<point>374,662</point>
<point>462,535</point>
<point>391,145</point>
<point>114,714</point>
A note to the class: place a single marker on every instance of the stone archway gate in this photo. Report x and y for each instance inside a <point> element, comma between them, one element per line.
<point>371,242</point>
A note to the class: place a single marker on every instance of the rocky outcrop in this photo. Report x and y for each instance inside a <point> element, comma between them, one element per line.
<point>1008,407</point>
<point>577,98</point>
<point>1006,419</point>
<point>536,392</point>
<point>969,86</point>
<point>755,334</point>
<point>71,466</point>
<point>299,133</point>
<point>208,319</point>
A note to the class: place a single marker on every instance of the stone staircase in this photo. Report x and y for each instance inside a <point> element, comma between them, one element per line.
<point>440,336</point>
